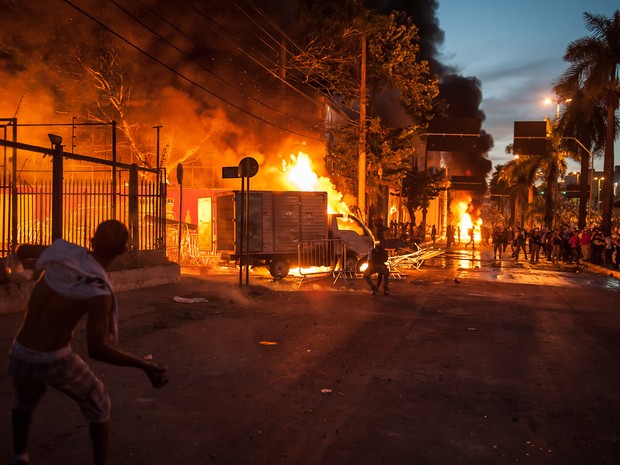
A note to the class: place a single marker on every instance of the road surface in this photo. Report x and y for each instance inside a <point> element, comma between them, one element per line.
<point>466,362</point>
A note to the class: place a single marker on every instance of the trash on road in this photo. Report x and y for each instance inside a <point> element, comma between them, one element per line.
<point>189,300</point>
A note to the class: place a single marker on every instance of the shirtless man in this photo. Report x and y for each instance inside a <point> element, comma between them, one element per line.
<point>74,283</point>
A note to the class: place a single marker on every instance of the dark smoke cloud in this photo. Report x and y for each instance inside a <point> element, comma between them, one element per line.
<point>38,49</point>
<point>223,47</point>
<point>462,94</point>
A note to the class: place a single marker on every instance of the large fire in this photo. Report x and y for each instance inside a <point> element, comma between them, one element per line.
<point>300,175</point>
<point>462,210</point>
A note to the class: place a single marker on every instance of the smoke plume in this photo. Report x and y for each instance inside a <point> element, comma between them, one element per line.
<point>207,71</point>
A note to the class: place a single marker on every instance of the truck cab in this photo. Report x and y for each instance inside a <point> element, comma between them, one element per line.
<point>357,237</point>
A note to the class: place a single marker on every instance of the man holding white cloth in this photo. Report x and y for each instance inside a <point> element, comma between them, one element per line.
<point>73,283</point>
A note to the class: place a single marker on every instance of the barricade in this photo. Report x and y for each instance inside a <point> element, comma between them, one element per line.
<point>412,258</point>
<point>321,257</point>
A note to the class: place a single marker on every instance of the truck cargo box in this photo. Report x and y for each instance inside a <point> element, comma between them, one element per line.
<point>278,221</point>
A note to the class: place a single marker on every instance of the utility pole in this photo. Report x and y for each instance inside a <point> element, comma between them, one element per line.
<point>361,162</point>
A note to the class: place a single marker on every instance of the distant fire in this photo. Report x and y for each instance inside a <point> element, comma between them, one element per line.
<point>462,211</point>
<point>300,175</point>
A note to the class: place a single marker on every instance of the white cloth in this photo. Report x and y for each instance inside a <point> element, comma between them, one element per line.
<point>72,272</point>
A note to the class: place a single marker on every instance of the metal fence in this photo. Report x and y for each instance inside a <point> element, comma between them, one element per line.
<point>79,192</point>
<point>26,212</point>
<point>321,256</point>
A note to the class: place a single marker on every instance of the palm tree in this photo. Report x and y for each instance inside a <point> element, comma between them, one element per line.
<point>523,171</point>
<point>595,61</point>
<point>519,174</point>
<point>583,120</point>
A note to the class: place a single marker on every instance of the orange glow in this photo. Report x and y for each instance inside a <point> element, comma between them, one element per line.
<point>308,270</point>
<point>462,212</point>
<point>300,175</point>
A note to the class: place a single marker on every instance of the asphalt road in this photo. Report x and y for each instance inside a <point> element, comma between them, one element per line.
<point>466,362</point>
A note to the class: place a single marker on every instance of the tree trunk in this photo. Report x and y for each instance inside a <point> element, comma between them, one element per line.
<point>608,164</point>
<point>584,181</point>
<point>530,202</point>
<point>552,188</point>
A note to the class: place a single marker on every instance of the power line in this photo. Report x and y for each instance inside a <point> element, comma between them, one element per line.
<point>280,47</point>
<point>224,32</point>
<point>231,37</point>
<point>282,33</point>
<point>185,78</point>
<point>312,59</point>
<point>184,53</point>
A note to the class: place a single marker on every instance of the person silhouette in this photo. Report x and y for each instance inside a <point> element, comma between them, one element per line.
<point>73,284</point>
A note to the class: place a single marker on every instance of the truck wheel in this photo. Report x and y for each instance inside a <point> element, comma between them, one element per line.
<point>351,264</point>
<point>279,268</point>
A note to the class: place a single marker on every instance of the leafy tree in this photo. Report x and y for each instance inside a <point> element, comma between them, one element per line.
<point>419,188</point>
<point>499,187</point>
<point>519,176</point>
<point>595,62</point>
<point>330,60</point>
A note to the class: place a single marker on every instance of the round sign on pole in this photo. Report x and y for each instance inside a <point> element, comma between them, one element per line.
<point>248,167</point>
<point>180,173</point>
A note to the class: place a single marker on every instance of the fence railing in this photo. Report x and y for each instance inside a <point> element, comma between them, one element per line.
<point>37,212</point>
<point>321,256</point>
<point>28,208</point>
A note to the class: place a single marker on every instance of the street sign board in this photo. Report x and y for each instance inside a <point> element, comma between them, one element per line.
<point>530,138</point>
<point>229,172</point>
<point>453,134</point>
<point>248,167</point>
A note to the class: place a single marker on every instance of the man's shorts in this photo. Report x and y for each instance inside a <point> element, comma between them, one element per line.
<point>70,375</point>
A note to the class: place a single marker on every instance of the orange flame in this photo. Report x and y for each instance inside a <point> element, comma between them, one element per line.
<point>462,211</point>
<point>300,175</point>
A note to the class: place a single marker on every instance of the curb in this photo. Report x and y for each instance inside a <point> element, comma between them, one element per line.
<point>602,270</point>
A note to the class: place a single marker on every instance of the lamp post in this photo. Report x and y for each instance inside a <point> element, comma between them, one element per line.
<point>558,103</point>
<point>598,192</point>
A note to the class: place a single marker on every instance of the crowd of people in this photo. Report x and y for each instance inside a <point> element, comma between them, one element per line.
<point>563,244</point>
<point>567,244</point>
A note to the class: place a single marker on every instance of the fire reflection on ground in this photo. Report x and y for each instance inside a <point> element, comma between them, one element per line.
<point>461,259</point>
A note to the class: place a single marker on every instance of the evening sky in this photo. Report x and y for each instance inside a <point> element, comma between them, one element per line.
<point>516,49</point>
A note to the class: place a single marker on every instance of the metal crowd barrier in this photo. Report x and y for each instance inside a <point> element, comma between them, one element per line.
<point>321,257</point>
<point>412,258</point>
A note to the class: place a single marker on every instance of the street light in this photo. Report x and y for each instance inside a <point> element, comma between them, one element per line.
<point>558,103</point>
<point>577,176</point>
<point>55,139</point>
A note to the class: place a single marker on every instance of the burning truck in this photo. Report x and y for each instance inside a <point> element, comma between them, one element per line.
<point>278,223</point>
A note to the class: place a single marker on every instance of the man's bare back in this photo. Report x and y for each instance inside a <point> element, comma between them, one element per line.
<point>51,319</point>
